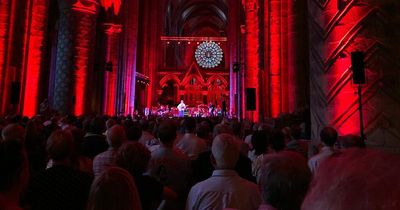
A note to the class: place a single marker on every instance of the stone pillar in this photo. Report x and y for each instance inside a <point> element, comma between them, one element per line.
<point>34,55</point>
<point>76,40</point>
<point>112,32</point>
<point>6,10</point>
<point>252,55</point>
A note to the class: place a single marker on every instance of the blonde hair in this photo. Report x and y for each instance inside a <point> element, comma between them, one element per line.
<point>114,189</point>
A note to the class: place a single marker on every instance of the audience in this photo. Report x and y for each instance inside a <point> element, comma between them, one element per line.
<point>169,165</point>
<point>115,137</point>
<point>114,189</point>
<point>224,189</point>
<point>328,137</point>
<point>61,186</point>
<point>167,169</point>
<point>134,157</point>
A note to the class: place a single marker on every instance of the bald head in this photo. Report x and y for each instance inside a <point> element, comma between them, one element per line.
<point>225,150</point>
<point>115,136</point>
<point>13,132</point>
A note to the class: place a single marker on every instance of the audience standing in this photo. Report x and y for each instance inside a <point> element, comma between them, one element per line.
<point>61,186</point>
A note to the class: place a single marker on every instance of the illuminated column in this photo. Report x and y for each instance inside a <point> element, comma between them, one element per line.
<point>76,39</point>
<point>6,9</point>
<point>112,32</point>
<point>275,66</point>
<point>252,54</point>
<point>37,25</point>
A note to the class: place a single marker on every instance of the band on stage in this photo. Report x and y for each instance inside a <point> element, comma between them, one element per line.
<point>184,110</point>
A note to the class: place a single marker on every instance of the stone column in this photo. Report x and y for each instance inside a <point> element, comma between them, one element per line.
<point>112,32</point>
<point>252,55</point>
<point>76,40</point>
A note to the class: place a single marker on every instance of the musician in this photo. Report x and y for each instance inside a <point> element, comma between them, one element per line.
<point>211,109</point>
<point>181,108</point>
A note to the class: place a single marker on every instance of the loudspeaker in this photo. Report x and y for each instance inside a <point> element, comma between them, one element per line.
<point>15,91</point>
<point>357,63</point>
<point>250,99</point>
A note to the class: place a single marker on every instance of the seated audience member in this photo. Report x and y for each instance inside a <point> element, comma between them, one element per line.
<point>114,189</point>
<point>13,174</point>
<point>349,141</point>
<point>169,165</point>
<point>115,137</point>
<point>134,157</point>
<point>284,180</point>
<point>328,138</point>
<point>224,189</point>
<point>94,142</point>
<point>356,179</point>
<point>190,144</point>
<point>59,187</point>
<point>13,132</point>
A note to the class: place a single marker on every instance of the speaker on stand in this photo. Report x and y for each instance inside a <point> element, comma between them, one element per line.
<point>357,65</point>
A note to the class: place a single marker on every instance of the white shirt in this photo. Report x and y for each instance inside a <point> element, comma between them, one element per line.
<point>315,161</point>
<point>181,106</point>
<point>224,189</point>
<point>191,145</point>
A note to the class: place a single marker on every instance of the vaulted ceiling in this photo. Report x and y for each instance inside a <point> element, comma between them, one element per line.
<point>196,18</point>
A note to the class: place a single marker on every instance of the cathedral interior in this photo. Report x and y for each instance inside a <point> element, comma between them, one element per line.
<point>337,59</point>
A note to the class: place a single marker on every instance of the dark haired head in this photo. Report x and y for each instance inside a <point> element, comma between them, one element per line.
<point>329,136</point>
<point>166,132</point>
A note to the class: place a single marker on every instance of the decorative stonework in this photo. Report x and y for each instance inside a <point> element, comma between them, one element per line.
<point>76,39</point>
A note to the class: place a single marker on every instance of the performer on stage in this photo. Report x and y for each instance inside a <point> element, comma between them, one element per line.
<point>181,108</point>
<point>211,110</point>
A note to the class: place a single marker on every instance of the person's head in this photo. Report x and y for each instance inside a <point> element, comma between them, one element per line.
<point>116,136</point>
<point>97,125</point>
<point>133,157</point>
<point>350,140</point>
<point>328,136</point>
<point>13,132</point>
<point>277,140</point>
<point>59,145</point>
<point>134,132</point>
<point>110,123</point>
<point>220,129</point>
<point>259,140</point>
<point>284,180</point>
<point>225,151</point>
<point>166,132</point>
<point>189,124</point>
<point>114,189</point>
<point>356,179</point>
<point>13,166</point>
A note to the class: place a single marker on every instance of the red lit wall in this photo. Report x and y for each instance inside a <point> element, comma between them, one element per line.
<point>338,28</point>
<point>34,59</point>
<point>252,55</point>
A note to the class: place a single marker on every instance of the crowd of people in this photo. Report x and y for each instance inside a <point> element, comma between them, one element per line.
<point>123,163</point>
